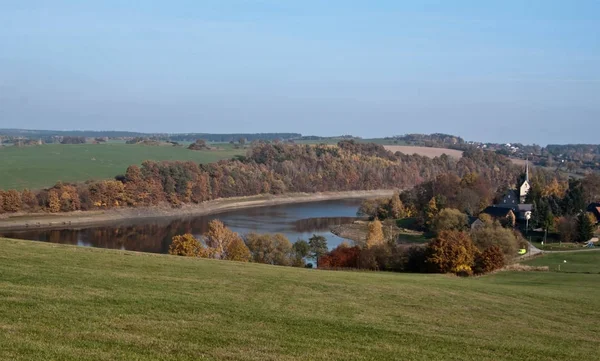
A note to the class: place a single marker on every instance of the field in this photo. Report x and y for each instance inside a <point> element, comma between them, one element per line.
<point>70,303</point>
<point>424,151</point>
<point>42,166</point>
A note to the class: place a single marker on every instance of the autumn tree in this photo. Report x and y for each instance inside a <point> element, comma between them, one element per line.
<point>375,234</point>
<point>29,199</point>
<point>396,208</point>
<point>451,252</point>
<point>237,250</point>
<point>218,237</point>
<point>567,228</point>
<point>186,245</point>
<point>11,201</point>
<point>53,201</point>
<point>431,211</point>
<point>494,234</point>
<point>491,259</point>
<point>274,249</point>
<point>450,219</point>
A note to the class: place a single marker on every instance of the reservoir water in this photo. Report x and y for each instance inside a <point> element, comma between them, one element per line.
<point>295,221</point>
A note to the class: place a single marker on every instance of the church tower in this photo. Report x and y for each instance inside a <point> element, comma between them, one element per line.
<point>526,186</point>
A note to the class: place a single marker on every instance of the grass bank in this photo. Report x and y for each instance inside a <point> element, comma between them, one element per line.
<point>42,166</point>
<point>70,303</point>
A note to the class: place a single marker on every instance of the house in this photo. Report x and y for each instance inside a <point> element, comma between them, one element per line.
<point>514,200</point>
<point>594,208</point>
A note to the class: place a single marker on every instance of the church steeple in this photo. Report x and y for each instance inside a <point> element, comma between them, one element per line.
<point>527,170</point>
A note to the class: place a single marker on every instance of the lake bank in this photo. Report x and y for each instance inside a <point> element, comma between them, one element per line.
<point>100,217</point>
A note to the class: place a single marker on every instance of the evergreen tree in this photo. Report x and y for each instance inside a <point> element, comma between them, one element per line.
<point>585,228</point>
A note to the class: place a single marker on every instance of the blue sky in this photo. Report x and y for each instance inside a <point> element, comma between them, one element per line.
<point>525,71</point>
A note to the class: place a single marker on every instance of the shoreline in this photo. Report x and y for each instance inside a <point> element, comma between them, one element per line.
<point>44,221</point>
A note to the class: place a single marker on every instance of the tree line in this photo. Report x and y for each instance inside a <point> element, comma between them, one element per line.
<point>268,168</point>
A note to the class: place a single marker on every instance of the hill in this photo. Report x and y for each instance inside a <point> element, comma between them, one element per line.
<point>42,166</point>
<point>71,303</point>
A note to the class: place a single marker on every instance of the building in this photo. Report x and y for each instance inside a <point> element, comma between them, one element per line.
<point>594,208</point>
<point>514,200</point>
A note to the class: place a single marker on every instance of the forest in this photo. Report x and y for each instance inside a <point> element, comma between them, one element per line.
<point>268,168</point>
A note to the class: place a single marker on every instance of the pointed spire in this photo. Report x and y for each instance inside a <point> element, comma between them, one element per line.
<point>527,170</point>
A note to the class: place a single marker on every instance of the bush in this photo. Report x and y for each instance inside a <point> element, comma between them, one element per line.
<point>450,220</point>
<point>186,245</point>
<point>491,259</point>
<point>451,252</point>
<point>495,235</point>
<point>341,257</point>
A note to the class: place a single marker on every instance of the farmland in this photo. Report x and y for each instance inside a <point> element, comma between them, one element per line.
<point>42,166</point>
<point>424,151</point>
<point>73,303</point>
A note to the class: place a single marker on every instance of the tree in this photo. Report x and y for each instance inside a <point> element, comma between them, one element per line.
<point>237,250</point>
<point>375,235</point>
<point>396,208</point>
<point>431,211</point>
<point>585,227</point>
<point>270,249</point>
<point>451,252</point>
<point>495,235</point>
<point>567,228</point>
<point>29,200</point>
<point>450,220</point>
<point>218,238</point>
<point>318,247</point>
<point>186,245</point>
<point>511,220</point>
<point>301,250</point>
<point>491,259</point>
<point>11,201</point>
<point>53,201</point>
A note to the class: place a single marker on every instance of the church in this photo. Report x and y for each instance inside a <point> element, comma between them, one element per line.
<point>514,200</point>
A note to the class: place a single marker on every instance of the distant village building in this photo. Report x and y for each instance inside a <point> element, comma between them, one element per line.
<point>513,201</point>
<point>594,208</point>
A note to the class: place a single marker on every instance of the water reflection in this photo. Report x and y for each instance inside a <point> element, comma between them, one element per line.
<point>296,221</point>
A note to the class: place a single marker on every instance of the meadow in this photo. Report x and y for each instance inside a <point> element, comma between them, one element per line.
<point>76,303</point>
<point>36,167</point>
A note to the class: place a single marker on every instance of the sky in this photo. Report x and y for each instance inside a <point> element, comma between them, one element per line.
<point>495,71</point>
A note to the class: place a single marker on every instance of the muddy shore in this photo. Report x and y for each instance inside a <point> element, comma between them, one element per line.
<point>98,217</point>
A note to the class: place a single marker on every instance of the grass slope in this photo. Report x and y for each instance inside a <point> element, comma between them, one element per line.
<point>70,303</point>
<point>42,166</point>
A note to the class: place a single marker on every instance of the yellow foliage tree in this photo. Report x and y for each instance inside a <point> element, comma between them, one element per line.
<point>186,245</point>
<point>396,207</point>
<point>218,238</point>
<point>375,235</point>
<point>431,211</point>
<point>53,201</point>
<point>237,251</point>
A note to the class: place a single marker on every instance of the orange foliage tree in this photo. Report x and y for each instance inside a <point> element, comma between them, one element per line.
<point>186,245</point>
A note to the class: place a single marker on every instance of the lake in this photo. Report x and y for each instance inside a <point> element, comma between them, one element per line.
<point>295,221</point>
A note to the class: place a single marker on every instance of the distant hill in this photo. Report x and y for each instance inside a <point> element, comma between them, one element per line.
<point>211,137</point>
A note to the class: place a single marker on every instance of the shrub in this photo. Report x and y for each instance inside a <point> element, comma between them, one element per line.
<point>186,245</point>
<point>341,257</point>
<point>450,220</point>
<point>451,252</point>
<point>495,235</point>
<point>491,259</point>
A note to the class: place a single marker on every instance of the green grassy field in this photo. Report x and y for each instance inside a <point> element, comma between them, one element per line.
<point>70,303</point>
<point>42,166</point>
<point>576,262</point>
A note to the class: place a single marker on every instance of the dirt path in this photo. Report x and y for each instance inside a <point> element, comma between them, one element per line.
<point>89,218</point>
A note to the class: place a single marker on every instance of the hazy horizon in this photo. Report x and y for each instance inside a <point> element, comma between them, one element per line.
<point>493,72</point>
